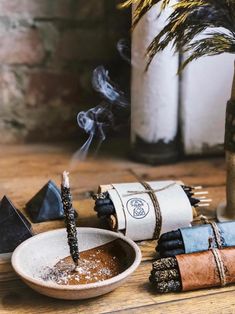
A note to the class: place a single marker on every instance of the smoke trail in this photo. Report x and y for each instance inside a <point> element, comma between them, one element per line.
<point>109,90</point>
<point>108,115</point>
<point>124,49</point>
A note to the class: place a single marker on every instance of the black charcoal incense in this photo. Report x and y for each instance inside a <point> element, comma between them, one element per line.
<point>165,275</point>
<point>168,236</point>
<point>165,263</point>
<point>170,244</point>
<point>169,286</point>
<point>69,218</point>
<point>103,205</point>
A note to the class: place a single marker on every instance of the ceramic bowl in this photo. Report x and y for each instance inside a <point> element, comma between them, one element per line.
<point>46,249</point>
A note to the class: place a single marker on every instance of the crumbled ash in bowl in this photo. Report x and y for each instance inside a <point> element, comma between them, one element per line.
<point>94,265</point>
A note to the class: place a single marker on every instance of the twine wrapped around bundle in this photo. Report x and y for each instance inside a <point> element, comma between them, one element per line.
<point>144,210</point>
<point>195,239</point>
<point>212,268</point>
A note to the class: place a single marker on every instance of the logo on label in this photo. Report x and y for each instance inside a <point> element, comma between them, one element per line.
<point>137,208</point>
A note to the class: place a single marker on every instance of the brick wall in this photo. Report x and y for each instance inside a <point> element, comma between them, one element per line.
<point>48,49</point>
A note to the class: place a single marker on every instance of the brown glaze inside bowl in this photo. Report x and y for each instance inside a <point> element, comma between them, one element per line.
<point>95,265</point>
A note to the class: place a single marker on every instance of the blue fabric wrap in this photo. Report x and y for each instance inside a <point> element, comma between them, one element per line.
<point>196,238</point>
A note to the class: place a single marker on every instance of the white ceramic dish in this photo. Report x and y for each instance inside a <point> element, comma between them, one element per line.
<point>46,249</point>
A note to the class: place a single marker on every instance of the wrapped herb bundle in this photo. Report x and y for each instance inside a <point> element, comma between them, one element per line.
<point>195,239</point>
<point>212,268</point>
<point>145,210</point>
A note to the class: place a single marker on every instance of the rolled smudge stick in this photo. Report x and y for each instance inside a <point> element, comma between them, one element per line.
<point>106,210</point>
<point>196,239</point>
<point>69,218</point>
<point>212,268</point>
<point>104,206</point>
<point>169,286</point>
<point>165,275</point>
<point>172,235</point>
<point>170,244</point>
<point>165,263</point>
<point>170,253</point>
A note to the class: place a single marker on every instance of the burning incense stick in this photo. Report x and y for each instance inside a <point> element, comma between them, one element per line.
<point>69,218</point>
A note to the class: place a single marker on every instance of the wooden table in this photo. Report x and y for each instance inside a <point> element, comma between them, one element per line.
<point>24,169</point>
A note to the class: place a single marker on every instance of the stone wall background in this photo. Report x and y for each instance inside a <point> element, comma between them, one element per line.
<point>48,50</point>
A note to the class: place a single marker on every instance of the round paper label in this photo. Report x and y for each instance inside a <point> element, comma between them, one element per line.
<point>137,208</point>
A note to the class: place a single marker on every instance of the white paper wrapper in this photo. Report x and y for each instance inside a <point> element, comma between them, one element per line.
<point>136,214</point>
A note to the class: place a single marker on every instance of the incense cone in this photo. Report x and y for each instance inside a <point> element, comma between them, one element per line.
<point>226,211</point>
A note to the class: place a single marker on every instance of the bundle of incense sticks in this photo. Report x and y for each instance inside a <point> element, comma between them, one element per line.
<point>105,208</point>
<point>196,197</point>
<point>196,239</point>
<point>211,268</point>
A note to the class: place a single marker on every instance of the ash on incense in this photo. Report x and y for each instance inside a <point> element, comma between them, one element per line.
<point>94,265</point>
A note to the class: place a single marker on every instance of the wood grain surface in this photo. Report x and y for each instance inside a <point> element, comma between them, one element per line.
<point>24,169</point>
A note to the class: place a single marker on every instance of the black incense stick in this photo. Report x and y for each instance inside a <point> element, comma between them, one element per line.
<point>69,218</point>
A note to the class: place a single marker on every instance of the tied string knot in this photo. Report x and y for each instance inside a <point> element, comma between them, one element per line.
<point>216,232</point>
<point>215,251</point>
<point>153,197</point>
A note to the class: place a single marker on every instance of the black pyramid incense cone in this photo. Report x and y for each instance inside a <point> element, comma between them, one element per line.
<point>69,218</point>
<point>14,227</point>
<point>46,204</point>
